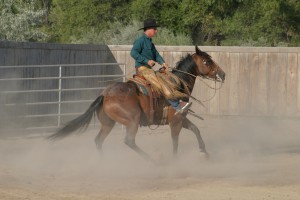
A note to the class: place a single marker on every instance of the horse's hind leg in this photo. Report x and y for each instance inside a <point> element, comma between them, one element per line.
<point>190,126</point>
<point>106,125</point>
<point>131,131</point>
<point>103,133</point>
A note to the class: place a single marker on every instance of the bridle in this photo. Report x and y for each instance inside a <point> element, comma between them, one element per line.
<point>204,76</point>
<point>212,70</point>
<point>209,65</point>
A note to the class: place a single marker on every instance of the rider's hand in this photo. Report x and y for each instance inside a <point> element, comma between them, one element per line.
<point>151,63</point>
<point>165,66</point>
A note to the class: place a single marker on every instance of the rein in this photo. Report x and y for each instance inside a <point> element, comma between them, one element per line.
<point>204,77</point>
<point>200,77</point>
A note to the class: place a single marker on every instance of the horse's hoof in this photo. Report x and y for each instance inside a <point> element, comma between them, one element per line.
<point>204,155</point>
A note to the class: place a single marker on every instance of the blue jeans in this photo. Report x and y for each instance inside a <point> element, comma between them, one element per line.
<point>175,104</point>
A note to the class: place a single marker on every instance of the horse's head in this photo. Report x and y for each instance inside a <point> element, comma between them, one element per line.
<point>207,67</point>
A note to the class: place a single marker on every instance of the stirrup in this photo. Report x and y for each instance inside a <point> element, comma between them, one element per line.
<point>184,108</point>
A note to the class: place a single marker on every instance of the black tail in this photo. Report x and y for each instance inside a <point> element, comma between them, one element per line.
<point>80,122</point>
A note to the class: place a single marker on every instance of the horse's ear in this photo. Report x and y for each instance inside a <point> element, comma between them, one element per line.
<point>198,51</point>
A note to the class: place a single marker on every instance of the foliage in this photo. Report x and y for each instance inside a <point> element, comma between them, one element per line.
<point>275,22</point>
<point>201,19</point>
<point>21,21</point>
<point>227,22</point>
<point>120,34</point>
<point>72,18</point>
<point>117,33</point>
<point>166,37</point>
<point>183,22</point>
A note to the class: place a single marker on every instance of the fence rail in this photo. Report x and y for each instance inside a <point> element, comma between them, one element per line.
<point>260,81</point>
<point>49,95</point>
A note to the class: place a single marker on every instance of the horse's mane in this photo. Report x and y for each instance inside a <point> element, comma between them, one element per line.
<point>186,64</point>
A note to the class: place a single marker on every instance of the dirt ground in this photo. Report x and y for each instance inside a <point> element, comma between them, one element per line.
<point>250,158</point>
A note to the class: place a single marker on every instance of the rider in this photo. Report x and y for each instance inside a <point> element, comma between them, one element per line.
<point>145,55</point>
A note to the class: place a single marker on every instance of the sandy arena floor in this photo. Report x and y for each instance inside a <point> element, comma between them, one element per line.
<point>250,158</point>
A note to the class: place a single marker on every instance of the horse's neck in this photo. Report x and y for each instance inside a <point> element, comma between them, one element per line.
<point>190,79</point>
<point>191,84</point>
<point>187,70</point>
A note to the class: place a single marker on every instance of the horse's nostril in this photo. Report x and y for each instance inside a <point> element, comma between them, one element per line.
<point>223,77</point>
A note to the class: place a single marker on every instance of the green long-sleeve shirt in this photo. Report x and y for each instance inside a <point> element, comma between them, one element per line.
<point>144,50</point>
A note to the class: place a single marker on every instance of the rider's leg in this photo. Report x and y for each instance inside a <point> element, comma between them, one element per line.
<point>150,76</point>
<point>176,105</point>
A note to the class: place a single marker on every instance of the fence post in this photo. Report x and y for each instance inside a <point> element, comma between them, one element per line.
<point>59,97</point>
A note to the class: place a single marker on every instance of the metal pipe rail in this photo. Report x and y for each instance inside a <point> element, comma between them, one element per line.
<point>57,92</point>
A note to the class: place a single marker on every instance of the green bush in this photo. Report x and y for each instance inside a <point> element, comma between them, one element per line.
<point>19,21</point>
<point>122,34</point>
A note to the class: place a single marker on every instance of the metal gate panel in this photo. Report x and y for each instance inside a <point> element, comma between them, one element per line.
<point>42,97</point>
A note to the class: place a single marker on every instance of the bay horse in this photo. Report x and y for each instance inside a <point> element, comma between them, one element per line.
<point>123,103</point>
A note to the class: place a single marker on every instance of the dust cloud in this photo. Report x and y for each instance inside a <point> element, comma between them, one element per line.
<point>243,150</point>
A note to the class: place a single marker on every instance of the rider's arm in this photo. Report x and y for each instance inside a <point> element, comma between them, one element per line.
<point>136,52</point>
<point>159,58</point>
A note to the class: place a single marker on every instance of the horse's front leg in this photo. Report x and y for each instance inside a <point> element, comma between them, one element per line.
<point>176,126</point>
<point>190,126</point>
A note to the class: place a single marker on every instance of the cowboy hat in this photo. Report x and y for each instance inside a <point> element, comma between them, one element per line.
<point>149,23</point>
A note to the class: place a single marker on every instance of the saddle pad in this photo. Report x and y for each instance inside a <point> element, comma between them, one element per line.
<point>141,83</point>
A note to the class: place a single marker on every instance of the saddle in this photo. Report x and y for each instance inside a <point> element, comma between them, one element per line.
<point>158,105</point>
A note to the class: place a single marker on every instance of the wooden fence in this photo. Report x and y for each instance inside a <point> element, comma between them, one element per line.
<point>260,81</point>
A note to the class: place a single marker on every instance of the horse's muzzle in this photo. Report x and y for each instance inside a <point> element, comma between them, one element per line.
<point>221,76</point>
